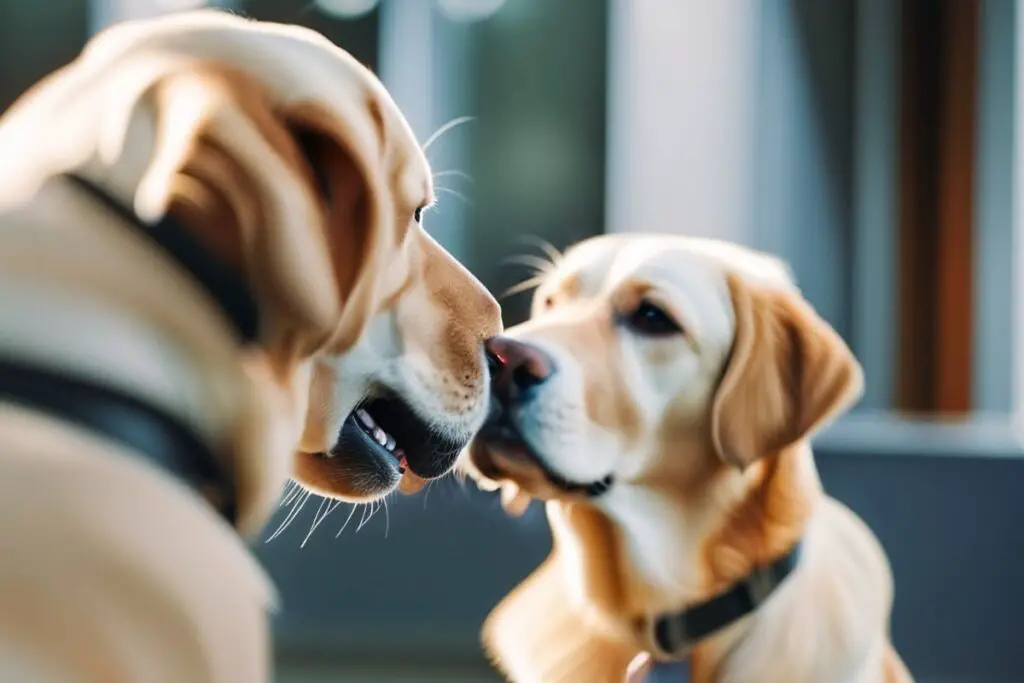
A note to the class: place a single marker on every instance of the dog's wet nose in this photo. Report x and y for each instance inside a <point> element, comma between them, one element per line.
<point>516,366</point>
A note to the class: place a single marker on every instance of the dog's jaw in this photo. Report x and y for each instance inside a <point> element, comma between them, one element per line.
<point>381,361</point>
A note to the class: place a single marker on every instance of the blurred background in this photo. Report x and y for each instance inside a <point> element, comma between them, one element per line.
<point>874,144</point>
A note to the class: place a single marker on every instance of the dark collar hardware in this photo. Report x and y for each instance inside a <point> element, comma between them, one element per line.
<point>676,633</point>
<point>142,428</point>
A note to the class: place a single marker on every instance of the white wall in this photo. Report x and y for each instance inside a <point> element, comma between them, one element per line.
<point>683,78</point>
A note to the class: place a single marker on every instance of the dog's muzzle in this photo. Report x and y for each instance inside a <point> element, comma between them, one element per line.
<point>518,371</point>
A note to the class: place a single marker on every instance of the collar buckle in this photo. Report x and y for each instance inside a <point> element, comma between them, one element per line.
<point>668,637</point>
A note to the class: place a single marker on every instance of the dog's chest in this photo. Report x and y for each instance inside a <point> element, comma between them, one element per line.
<point>660,545</point>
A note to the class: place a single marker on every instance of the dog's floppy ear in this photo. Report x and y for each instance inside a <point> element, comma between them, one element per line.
<point>789,373</point>
<point>291,196</point>
<point>350,161</point>
<point>294,197</point>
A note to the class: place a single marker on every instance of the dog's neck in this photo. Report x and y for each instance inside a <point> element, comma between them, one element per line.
<point>88,298</point>
<point>70,325</point>
<point>96,300</point>
<point>667,553</point>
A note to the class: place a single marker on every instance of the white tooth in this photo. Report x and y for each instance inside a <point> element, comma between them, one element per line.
<point>365,418</point>
<point>380,436</point>
<point>390,445</point>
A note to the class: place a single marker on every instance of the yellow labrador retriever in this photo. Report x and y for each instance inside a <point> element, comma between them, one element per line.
<point>198,216</point>
<point>661,400</point>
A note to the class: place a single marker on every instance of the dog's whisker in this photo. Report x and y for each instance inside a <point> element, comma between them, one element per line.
<point>325,505</point>
<point>362,516</point>
<point>539,265</point>
<point>387,518</point>
<point>287,520</point>
<point>375,509</point>
<point>292,495</point>
<point>332,505</point>
<point>316,521</point>
<point>369,517</point>
<point>295,512</point>
<point>290,517</point>
<point>347,520</point>
<point>378,506</point>
<point>524,286</point>
<point>553,254</point>
<point>286,493</point>
<point>454,123</point>
<point>456,193</point>
<point>452,172</point>
<point>426,494</point>
<point>365,516</point>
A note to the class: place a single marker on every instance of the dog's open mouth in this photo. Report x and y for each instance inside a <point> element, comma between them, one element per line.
<point>382,445</point>
<point>499,437</point>
<point>388,430</point>
<point>381,438</point>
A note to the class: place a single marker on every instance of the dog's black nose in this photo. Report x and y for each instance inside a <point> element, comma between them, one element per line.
<point>516,367</point>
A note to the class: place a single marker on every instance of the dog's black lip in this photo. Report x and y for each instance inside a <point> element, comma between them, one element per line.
<point>502,433</point>
<point>372,470</point>
<point>425,450</point>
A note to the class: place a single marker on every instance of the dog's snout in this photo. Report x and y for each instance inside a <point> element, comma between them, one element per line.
<point>516,366</point>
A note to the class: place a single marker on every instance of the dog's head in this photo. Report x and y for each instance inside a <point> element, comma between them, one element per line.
<point>290,163</point>
<point>400,405</point>
<point>657,363</point>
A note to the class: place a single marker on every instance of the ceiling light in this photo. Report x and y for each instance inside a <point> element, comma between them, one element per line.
<point>346,9</point>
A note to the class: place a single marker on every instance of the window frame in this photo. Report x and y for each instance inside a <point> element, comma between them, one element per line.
<point>636,135</point>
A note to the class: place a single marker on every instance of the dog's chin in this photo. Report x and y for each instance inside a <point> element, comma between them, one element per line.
<point>510,470</point>
<point>500,454</point>
<point>357,469</point>
<point>383,445</point>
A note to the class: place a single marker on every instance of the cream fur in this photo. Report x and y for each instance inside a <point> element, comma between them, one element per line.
<point>706,432</point>
<point>114,573</point>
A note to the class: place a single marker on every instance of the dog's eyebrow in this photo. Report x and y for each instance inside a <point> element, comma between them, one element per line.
<point>676,301</point>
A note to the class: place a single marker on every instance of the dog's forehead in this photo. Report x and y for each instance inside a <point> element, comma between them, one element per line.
<point>605,261</point>
<point>692,272</point>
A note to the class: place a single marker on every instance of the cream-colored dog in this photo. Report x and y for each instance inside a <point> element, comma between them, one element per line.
<point>209,235</point>
<point>661,400</point>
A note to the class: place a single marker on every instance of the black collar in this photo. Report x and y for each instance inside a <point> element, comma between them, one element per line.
<point>676,633</point>
<point>145,429</point>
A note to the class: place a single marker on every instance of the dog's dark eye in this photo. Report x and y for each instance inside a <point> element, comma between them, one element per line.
<point>417,215</point>
<point>648,319</point>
